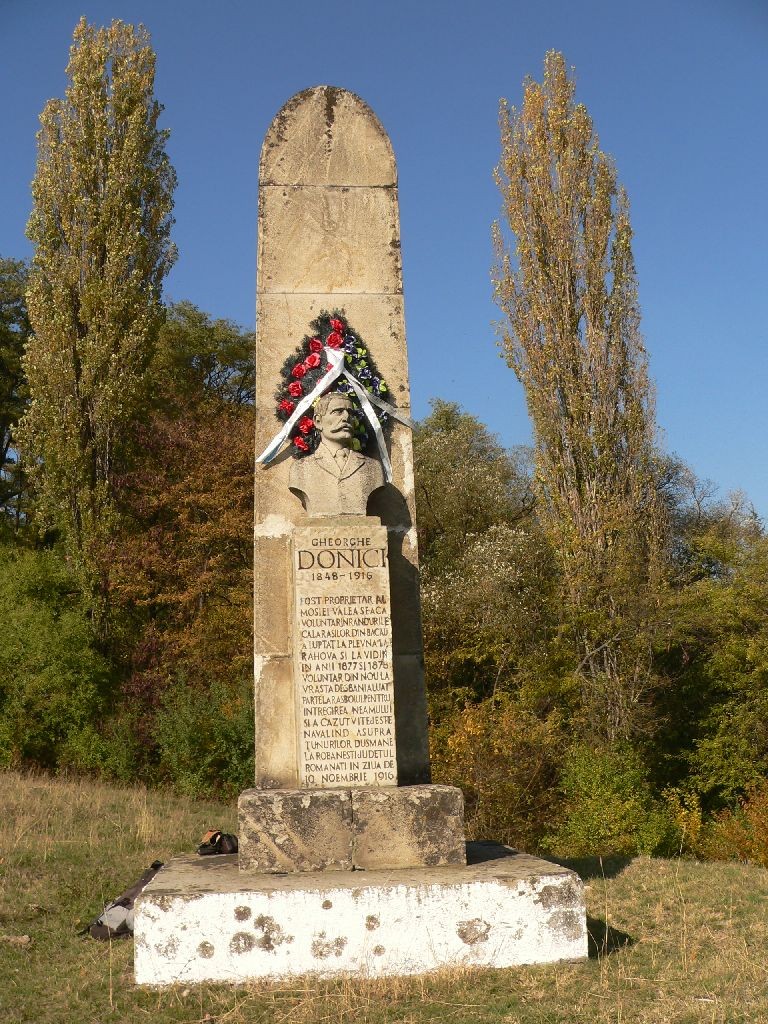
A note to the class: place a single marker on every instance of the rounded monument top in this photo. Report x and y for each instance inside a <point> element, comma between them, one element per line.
<point>327,136</point>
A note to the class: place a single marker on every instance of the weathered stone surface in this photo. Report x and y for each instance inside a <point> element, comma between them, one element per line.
<point>272,628</point>
<point>410,720</point>
<point>368,828</point>
<point>329,238</point>
<point>327,136</point>
<point>365,257</point>
<point>276,751</point>
<point>295,830</point>
<point>200,919</point>
<point>408,826</point>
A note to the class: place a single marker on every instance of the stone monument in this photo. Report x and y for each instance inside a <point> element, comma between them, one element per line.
<point>350,859</point>
<point>340,698</point>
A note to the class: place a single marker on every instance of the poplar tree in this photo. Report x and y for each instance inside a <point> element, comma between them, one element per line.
<point>100,224</point>
<point>14,332</point>
<point>572,336</point>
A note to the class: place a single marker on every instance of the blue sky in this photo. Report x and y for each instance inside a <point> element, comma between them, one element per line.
<point>678,91</point>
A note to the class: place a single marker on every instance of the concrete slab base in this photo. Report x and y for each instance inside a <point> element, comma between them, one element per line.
<point>201,919</point>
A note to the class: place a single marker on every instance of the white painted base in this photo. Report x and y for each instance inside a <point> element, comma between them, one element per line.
<point>201,919</point>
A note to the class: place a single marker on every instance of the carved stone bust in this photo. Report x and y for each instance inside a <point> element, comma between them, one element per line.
<point>335,480</point>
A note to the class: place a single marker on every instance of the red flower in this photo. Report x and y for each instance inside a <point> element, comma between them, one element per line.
<point>306,423</point>
<point>301,444</point>
<point>286,406</point>
<point>315,345</point>
<point>295,388</point>
<point>334,340</point>
<point>312,360</point>
<point>299,370</point>
<point>337,325</point>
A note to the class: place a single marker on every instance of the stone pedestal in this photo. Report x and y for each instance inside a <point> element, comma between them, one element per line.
<point>200,919</point>
<point>282,830</point>
<point>347,829</point>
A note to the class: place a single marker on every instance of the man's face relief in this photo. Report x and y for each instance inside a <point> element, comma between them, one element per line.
<point>336,424</point>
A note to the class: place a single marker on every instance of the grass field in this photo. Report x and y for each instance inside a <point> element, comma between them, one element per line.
<point>673,941</point>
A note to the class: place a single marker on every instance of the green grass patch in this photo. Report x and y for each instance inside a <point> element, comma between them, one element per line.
<point>673,941</point>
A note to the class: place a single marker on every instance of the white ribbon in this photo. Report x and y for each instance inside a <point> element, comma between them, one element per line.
<point>337,369</point>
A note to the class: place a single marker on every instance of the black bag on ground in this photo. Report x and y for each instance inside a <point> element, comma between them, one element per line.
<point>116,920</point>
<point>215,842</point>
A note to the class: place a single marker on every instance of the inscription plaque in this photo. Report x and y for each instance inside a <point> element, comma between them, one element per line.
<point>343,645</point>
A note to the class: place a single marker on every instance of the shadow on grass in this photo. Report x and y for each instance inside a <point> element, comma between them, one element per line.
<point>479,850</point>
<point>595,867</point>
<point>604,940</point>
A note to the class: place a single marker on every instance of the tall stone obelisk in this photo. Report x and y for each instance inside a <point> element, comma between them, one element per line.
<point>329,238</point>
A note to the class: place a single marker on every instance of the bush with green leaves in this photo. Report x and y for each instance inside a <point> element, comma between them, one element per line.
<point>205,738</point>
<point>53,681</point>
<point>609,807</point>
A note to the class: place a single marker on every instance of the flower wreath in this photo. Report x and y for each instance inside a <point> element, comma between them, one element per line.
<point>302,371</point>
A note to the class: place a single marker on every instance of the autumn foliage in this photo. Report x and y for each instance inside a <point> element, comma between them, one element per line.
<point>100,224</point>
<point>572,335</point>
<point>180,568</point>
<point>595,624</point>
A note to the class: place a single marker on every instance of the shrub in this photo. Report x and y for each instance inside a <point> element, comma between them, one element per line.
<point>684,808</point>
<point>205,738</point>
<point>609,808</point>
<point>485,613</point>
<point>54,685</point>
<point>506,761</point>
<point>740,833</point>
<point>113,750</point>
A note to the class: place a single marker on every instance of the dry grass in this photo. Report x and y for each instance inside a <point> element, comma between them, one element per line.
<point>674,941</point>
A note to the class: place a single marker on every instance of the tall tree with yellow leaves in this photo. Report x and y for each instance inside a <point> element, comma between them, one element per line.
<point>572,336</point>
<point>100,225</point>
<point>14,333</point>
